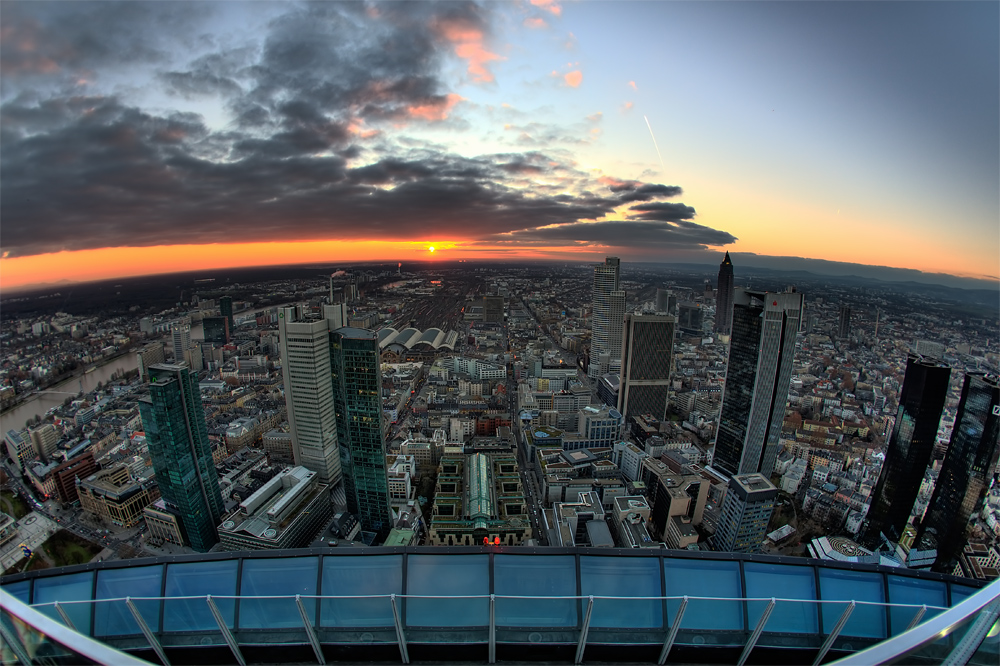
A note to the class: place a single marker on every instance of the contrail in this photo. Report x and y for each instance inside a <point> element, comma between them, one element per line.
<point>654,142</point>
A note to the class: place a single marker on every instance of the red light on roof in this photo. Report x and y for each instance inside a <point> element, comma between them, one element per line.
<point>774,303</point>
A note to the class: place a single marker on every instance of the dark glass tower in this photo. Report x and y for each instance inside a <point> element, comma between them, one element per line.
<point>759,370</point>
<point>925,386</point>
<point>647,363</point>
<point>357,392</point>
<point>226,310</point>
<point>967,471</point>
<point>174,421</point>
<point>724,299</point>
<point>844,322</point>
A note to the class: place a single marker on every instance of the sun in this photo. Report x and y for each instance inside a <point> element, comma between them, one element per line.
<point>430,249</point>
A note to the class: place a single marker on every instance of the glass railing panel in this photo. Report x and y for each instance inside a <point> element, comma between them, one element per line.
<point>622,577</point>
<point>910,590</point>
<point>19,590</point>
<point>38,647</point>
<point>447,575</point>
<point>113,618</point>
<point>535,575</point>
<point>68,587</point>
<point>359,575</point>
<point>840,584</point>
<point>960,593</point>
<point>988,653</point>
<point>785,581</point>
<point>285,576</point>
<point>198,579</point>
<point>705,578</point>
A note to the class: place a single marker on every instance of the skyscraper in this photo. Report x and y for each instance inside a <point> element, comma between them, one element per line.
<point>181,336</point>
<point>174,421</point>
<point>647,362</point>
<point>306,371</point>
<point>746,511</point>
<point>966,473</point>
<point>844,321</point>
<point>759,370</point>
<point>608,319</point>
<point>226,310</point>
<point>925,387</point>
<point>357,389</point>
<point>724,298</point>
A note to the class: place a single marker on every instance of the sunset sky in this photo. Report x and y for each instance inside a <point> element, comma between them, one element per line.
<point>147,137</point>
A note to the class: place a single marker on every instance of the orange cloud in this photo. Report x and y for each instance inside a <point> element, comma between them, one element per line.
<point>574,79</point>
<point>469,42</point>
<point>632,85</point>
<point>435,111</point>
<point>535,22</point>
<point>627,106</point>
<point>549,6</point>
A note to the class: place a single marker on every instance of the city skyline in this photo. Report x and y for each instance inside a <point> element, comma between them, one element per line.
<point>167,137</point>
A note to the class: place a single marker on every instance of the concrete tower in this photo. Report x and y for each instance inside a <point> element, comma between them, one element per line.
<point>724,298</point>
<point>608,319</point>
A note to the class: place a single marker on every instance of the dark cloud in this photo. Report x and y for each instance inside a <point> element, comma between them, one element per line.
<point>627,233</point>
<point>308,154</point>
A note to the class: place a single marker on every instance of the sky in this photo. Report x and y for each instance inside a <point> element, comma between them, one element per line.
<point>154,137</point>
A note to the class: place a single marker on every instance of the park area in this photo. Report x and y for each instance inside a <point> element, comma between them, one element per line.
<point>61,549</point>
<point>12,505</point>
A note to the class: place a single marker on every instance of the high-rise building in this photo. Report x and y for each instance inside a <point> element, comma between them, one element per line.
<point>493,309</point>
<point>306,371</point>
<point>844,321</point>
<point>646,366</point>
<point>966,473</point>
<point>357,390</point>
<point>925,387</point>
<point>608,319</point>
<point>758,373</point>
<point>746,511</point>
<point>216,329</point>
<point>724,297</point>
<point>665,301</point>
<point>181,335</point>
<point>149,355</point>
<point>690,317</point>
<point>226,310</point>
<point>177,436</point>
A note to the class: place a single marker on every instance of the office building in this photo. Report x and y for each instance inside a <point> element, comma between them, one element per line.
<point>150,354</point>
<point>115,495</point>
<point>690,318</point>
<point>925,387</point>
<point>746,512</point>
<point>216,329</point>
<point>844,322</point>
<point>666,302</point>
<point>967,471</point>
<point>226,310</point>
<point>181,336</point>
<point>608,319</point>
<point>646,366</point>
<point>492,309</point>
<point>66,474</point>
<point>724,299</point>
<point>164,524</point>
<point>929,348</point>
<point>306,371</point>
<point>288,511</point>
<point>759,370</point>
<point>177,436</point>
<point>357,391</point>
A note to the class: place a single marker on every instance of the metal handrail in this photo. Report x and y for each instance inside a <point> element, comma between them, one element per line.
<point>940,626</point>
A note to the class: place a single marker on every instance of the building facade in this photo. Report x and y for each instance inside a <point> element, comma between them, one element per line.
<point>724,298</point>
<point>177,436</point>
<point>608,319</point>
<point>357,387</point>
<point>646,366</point>
<point>746,511</point>
<point>967,471</point>
<point>115,496</point>
<point>758,374</point>
<point>306,371</point>
<point>921,400</point>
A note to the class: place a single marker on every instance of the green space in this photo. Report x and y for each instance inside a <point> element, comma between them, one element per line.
<point>12,505</point>
<point>65,548</point>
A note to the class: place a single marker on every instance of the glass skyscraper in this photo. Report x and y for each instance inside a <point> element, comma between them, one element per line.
<point>608,318</point>
<point>174,421</point>
<point>724,299</point>
<point>759,371</point>
<point>925,387</point>
<point>647,363</point>
<point>967,471</point>
<point>357,390</point>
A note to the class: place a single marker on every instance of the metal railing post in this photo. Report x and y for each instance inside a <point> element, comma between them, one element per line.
<point>310,632</point>
<point>755,636</point>
<point>224,628</point>
<point>828,643</point>
<point>973,637</point>
<point>64,615</point>
<point>919,615</point>
<point>672,634</point>
<point>150,638</point>
<point>493,629</point>
<point>582,645</point>
<point>400,636</point>
<point>12,640</point>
